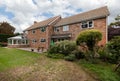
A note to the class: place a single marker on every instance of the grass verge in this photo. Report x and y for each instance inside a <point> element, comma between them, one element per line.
<point>104,72</point>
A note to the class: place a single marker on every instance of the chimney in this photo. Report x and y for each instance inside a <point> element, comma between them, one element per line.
<point>35,22</point>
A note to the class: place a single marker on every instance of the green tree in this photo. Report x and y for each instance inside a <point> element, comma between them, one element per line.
<point>89,38</point>
<point>114,49</point>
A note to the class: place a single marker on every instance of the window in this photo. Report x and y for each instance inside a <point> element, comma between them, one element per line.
<point>90,24</point>
<point>34,41</point>
<point>42,40</point>
<point>43,29</point>
<point>87,24</point>
<point>84,24</point>
<point>56,29</point>
<point>33,31</point>
<point>66,28</point>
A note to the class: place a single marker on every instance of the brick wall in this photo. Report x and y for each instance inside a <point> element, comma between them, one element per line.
<point>37,36</point>
<point>75,29</point>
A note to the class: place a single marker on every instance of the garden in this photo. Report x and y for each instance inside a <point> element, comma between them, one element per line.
<point>80,60</point>
<point>100,61</point>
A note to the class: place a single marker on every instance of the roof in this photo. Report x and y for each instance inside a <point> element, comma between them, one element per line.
<point>92,14</point>
<point>17,37</point>
<point>43,23</point>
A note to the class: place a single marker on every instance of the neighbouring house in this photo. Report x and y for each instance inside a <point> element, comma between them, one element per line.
<point>43,34</point>
<point>18,42</point>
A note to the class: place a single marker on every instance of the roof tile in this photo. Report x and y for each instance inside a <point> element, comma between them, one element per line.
<point>92,14</point>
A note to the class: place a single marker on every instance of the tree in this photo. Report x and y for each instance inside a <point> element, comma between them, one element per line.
<point>90,38</point>
<point>6,28</point>
<point>116,24</point>
<point>114,49</point>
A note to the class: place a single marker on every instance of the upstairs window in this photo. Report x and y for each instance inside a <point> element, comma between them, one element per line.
<point>66,28</point>
<point>84,24</point>
<point>87,24</point>
<point>43,29</point>
<point>26,32</point>
<point>42,40</point>
<point>33,31</point>
<point>56,29</point>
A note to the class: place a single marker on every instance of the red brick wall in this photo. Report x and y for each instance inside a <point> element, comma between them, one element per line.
<point>37,36</point>
<point>75,29</point>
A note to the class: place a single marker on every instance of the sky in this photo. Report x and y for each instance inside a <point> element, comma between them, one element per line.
<point>22,13</point>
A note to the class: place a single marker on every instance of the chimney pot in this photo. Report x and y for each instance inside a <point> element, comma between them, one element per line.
<point>35,22</point>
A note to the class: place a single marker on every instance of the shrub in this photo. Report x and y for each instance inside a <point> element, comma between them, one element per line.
<point>63,47</point>
<point>55,56</point>
<point>103,52</point>
<point>78,54</point>
<point>70,57</point>
<point>54,49</point>
<point>114,49</point>
<point>89,39</point>
<point>3,44</point>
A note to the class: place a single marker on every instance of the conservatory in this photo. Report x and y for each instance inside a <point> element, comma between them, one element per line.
<point>18,42</point>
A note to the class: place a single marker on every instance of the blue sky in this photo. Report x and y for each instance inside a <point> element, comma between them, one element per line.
<point>3,12</point>
<point>22,13</point>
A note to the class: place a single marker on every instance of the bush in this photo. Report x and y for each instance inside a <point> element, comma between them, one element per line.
<point>55,56</point>
<point>114,49</point>
<point>70,57</point>
<point>3,44</point>
<point>103,52</point>
<point>78,54</point>
<point>63,47</point>
<point>89,39</point>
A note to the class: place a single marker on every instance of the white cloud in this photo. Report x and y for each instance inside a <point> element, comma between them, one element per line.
<point>25,11</point>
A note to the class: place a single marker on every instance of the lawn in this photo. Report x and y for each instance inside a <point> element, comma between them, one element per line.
<point>19,65</point>
<point>11,58</point>
<point>103,71</point>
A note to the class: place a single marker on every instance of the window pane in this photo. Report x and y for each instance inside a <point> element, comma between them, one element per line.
<point>66,28</point>
<point>84,24</point>
<point>33,31</point>
<point>43,40</point>
<point>43,29</point>
<point>90,24</point>
<point>56,29</point>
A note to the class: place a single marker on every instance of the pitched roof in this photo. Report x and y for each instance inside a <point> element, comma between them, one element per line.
<point>43,23</point>
<point>92,14</point>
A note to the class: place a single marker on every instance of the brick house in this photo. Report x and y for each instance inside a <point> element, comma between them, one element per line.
<point>41,34</point>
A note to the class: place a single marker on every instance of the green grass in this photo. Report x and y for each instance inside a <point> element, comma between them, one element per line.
<point>104,72</point>
<point>10,58</point>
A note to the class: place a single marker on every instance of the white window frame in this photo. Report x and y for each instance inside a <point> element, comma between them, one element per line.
<point>43,39</point>
<point>66,28</point>
<point>56,29</point>
<point>42,28</point>
<point>26,32</point>
<point>87,23</point>
<point>33,31</point>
